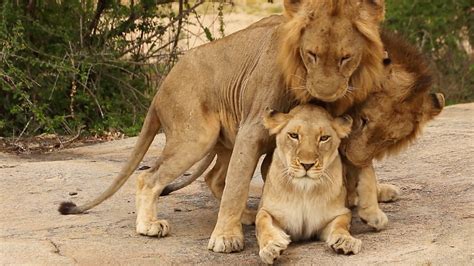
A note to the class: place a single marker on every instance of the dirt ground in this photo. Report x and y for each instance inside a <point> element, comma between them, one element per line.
<point>432,223</point>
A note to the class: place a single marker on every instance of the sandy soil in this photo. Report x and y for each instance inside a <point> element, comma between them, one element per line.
<point>432,223</point>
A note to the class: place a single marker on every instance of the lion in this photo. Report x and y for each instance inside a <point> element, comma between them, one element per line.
<point>304,194</point>
<point>387,122</point>
<point>217,93</point>
<point>391,118</point>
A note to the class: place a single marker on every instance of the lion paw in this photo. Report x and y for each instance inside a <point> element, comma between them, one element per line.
<point>157,228</point>
<point>227,243</point>
<point>374,217</point>
<point>388,193</point>
<point>344,244</point>
<point>273,249</point>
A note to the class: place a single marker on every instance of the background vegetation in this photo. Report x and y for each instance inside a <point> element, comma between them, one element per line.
<point>95,64</point>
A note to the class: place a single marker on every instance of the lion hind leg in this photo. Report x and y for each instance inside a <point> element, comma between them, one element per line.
<point>179,154</point>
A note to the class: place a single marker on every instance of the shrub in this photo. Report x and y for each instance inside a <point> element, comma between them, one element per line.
<point>69,64</point>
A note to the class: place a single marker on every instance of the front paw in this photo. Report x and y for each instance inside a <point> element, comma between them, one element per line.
<point>387,193</point>
<point>155,227</point>
<point>273,249</point>
<point>374,217</point>
<point>227,242</point>
<point>344,244</point>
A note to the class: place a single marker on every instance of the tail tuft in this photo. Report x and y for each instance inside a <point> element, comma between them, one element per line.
<point>68,207</point>
<point>167,190</point>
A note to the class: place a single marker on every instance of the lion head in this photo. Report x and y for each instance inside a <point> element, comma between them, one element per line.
<point>331,48</point>
<point>307,139</point>
<point>393,116</point>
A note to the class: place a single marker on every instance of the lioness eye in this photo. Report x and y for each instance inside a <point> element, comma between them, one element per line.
<point>293,135</point>
<point>324,138</point>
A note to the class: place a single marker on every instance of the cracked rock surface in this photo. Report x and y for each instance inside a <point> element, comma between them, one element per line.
<point>433,222</point>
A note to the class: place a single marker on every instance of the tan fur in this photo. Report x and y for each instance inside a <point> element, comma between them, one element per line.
<point>216,95</point>
<point>336,19</point>
<point>408,76</point>
<point>304,195</point>
<point>387,122</point>
<point>396,112</point>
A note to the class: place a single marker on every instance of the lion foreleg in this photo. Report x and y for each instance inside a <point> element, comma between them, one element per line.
<point>215,179</point>
<point>272,240</point>
<point>368,207</point>
<point>337,236</point>
<point>227,235</point>
<point>351,174</point>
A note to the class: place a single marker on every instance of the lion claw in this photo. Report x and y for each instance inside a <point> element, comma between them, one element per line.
<point>273,249</point>
<point>345,244</point>
<point>226,244</point>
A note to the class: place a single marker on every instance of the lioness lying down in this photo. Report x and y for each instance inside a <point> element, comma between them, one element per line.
<point>304,194</point>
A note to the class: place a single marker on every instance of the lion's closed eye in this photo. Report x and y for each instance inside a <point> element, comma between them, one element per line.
<point>293,135</point>
<point>324,138</point>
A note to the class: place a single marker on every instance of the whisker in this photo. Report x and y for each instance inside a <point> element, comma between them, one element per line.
<point>296,76</point>
<point>298,88</point>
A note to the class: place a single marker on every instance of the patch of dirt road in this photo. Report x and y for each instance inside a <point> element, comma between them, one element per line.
<point>432,223</point>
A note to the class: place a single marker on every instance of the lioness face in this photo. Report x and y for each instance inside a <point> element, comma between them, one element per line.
<point>385,124</point>
<point>307,140</point>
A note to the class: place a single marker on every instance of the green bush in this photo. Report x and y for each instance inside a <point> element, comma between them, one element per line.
<point>69,64</point>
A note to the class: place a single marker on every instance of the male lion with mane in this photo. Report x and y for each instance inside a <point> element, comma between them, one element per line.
<point>387,122</point>
<point>217,93</point>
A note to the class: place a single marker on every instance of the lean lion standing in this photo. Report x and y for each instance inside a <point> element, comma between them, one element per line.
<point>217,93</point>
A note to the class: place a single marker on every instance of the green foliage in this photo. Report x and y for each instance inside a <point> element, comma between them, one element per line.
<point>69,64</point>
<point>442,30</point>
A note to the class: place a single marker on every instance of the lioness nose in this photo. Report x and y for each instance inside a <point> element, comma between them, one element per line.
<point>306,166</point>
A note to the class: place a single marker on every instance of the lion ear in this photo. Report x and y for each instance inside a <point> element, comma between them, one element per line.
<point>373,10</point>
<point>343,125</point>
<point>275,121</point>
<point>437,103</point>
<point>292,7</point>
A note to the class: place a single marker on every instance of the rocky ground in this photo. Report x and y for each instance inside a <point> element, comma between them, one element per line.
<point>432,223</point>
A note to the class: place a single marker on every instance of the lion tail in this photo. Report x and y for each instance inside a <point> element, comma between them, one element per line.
<point>186,180</point>
<point>149,130</point>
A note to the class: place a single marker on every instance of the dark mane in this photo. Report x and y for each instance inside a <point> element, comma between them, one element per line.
<point>410,58</point>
